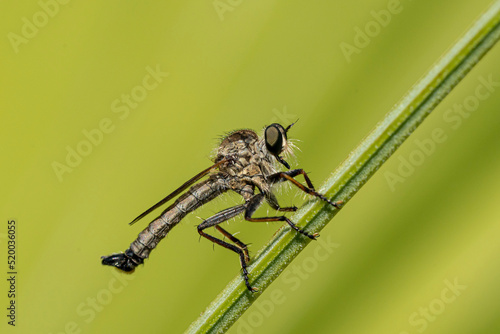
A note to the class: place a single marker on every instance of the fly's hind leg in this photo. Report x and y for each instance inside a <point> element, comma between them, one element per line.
<point>240,249</point>
<point>254,204</point>
<point>238,242</point>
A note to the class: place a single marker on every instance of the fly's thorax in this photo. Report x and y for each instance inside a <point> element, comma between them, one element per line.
<point>267,163</point>
<point>249,156</point>
<point>240,146</point>
<point>235,141</point>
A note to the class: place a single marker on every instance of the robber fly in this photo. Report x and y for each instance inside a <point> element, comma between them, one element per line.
<point>244,163</point>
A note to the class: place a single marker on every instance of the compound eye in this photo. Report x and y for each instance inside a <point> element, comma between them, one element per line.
<point>274,139</point>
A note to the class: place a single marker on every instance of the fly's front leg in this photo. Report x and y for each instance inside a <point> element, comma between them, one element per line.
<point>289,176</point>
<point>240,249</point>
<point>254,204</point>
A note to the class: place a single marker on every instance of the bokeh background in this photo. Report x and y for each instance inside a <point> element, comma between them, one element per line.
<point>243,64</point>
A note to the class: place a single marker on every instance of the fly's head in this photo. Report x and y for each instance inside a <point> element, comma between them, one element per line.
<point>275,137</point>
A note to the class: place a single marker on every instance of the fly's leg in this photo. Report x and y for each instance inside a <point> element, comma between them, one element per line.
<point>273,202</point>
<point>219,218</point>
<point>289,176</point>
<point>235,240</point>
<point>294,173</point>
<point>253,205</point>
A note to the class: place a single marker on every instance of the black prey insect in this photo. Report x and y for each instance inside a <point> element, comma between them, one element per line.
<point>245,164</point>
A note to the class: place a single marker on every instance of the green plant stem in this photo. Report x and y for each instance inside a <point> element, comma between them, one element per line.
<point>350,176</point>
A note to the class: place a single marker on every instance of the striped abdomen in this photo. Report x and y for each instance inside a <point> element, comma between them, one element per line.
<point>149,238</point>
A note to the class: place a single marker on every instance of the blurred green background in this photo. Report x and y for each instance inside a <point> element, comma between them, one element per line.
<point>243,64</point>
